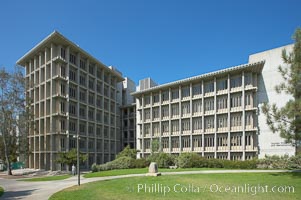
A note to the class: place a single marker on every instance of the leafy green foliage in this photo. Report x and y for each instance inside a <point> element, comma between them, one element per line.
<point>163,160</point>
<point>286,120</point>
<point>70,157</point>
<point>128,152</point>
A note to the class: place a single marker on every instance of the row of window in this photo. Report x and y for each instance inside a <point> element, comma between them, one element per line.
<point>196,107</point>
<point>209,141</point>
<point>197,89</point>
<point>222,122</point>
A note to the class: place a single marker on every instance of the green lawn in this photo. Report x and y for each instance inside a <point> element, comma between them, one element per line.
<point>48,178</point>
<point>118,172</point>
<point>242,186</point>
<point>1,191</point>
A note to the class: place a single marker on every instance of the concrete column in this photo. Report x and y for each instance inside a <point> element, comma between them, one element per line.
<point>215,120</point>
<point>229,119</point>
<point>203,118</point>
<point>243,118</point>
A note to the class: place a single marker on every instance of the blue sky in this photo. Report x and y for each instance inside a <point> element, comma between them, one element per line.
<point>164,39</point>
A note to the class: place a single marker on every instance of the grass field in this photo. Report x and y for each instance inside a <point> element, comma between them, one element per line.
<point>118,172</point>
<point>197,186</point>
<point>47,178</point>
<point>1,191</point>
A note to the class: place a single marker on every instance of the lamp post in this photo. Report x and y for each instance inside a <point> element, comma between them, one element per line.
<point>77,152</point>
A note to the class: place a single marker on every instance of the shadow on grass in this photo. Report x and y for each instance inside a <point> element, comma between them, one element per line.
<point>8,195</point>
<point>294,174</point>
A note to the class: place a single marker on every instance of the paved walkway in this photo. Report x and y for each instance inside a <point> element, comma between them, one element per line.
<point>14,189</point>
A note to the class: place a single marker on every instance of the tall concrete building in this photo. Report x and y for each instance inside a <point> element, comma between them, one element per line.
<point>128,114</point>
<point>216,114</point>
<point>72,94</point>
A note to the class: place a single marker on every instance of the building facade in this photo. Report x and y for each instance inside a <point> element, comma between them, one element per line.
<point>72,94</point>
<point>217,114</point>
<point>128,114</point>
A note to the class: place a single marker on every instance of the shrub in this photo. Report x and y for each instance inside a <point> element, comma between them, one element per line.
<point>163,160</point>
<point>189,160</point>
<point>94,168</point>
<point>140,163</point>
<point>128,152</point>
<point>294,162</point>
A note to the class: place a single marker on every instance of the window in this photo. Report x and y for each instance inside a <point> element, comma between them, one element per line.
<point>63,71</point>
<point>156,98</point>
<point>222,103</point>
<point>82,79</point>
<point>82,95</point>
<point>72,91</point>
<point>185,91</point>
<point>186,142</point>
<point>82,112</point>
<point>98,73</point>
<point>72,75</point>
<point>236,140</point>
<point>91,99</point>
<point>197,89</point>
<point>91,129</point>
<point>186,125</point>
<point>209,122</point>
<point>146,129</point>
<point>235,101</point>
<point>63,124</point>
<point>72,126</point>
<point>82,128</point>
<point>146,100</point>
<point>165,112</point>
<point>91,69</point>
<point>72,109</point>
<point>197,123</point>
<point>222,84</point>
<point>72,58</point>
<point>147,114</point>
<point>165,143</point>
<point>99,88</point>
<point>197,106</point>
<point>209,87</point>
<point>156,129</point>
<point>98,116</point>
<point>197,141</point>
<point>175,126</point>
<point>248,99</point>
<point>175,94</point>
<point>236,120</point>
<point>175,142</point>
<point>175,109</point>
<point>165,127</point>
<point>91,114</point>
<point>99,102</point>
<point>209,141</point>
<point>209,104</point>
<point>165,96</point>
<point>249,119</point>
<point>63,107</point>
<point>235,82</point>
<point>91,84</point>
<point>63,89</point>
<point>222,121</point>
<point>82,64</point>
<point>248,79</point>
<point>63,53</point>
<point>185,108</point>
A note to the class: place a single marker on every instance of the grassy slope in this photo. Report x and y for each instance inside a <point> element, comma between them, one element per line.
<point>127,188</point>
<point>139,171</point>
<point>48,178</point>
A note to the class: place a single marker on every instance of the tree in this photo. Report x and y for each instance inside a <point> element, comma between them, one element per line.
<point>128,152</point>
<point>287,119</point>
<point>12,106</point>
<point>155,146</point>
<point>70,157</point>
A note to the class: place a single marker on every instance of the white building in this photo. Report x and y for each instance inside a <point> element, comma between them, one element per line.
<point>216,114</point>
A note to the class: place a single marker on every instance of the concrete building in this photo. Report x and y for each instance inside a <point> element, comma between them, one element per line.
<point>72,94</point>
<point>128,114</point>
<point>216,114</point>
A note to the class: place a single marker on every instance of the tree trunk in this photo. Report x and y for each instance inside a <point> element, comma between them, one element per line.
<point>9,171</point>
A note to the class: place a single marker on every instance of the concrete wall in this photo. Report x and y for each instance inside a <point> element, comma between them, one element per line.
<point>270,143</point>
